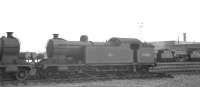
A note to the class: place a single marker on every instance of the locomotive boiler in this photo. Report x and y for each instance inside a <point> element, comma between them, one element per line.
<point>115,55</point>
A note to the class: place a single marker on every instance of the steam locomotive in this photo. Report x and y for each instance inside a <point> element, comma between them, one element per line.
<point>66,58</point>
<point>10,63</point>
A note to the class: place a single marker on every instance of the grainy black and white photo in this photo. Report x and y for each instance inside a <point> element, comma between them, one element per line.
<point>99,43</point>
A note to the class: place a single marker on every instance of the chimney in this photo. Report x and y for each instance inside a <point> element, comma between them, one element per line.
<point>55,36</point>
<point>84,38</point>
<point>178,40</point>
<point>9,34</point>
<point>184,37</point>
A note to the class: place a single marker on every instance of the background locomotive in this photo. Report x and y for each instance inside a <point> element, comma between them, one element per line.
<point>10,63</point>
<point>181,52</point>
<point>173,51</point>
<point>177,51</point>
<point>66,58</point>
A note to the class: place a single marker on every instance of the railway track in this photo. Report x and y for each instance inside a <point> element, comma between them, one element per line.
<point>161,70</point>
<point>176,67</point>
<point>81,79</point>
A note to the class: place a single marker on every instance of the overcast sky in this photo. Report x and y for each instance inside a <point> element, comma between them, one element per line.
<point>34,21</point>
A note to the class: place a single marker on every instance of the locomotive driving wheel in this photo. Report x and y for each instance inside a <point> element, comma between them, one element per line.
<point>1,75</point>
<point>52,75</point>
<point>22,75</point>
<point>142,69</point>
<point>181,59</point>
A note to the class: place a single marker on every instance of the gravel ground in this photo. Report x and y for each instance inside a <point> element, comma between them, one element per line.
<point>177,81</point>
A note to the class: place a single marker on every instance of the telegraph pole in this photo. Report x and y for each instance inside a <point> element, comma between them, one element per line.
<point>140,26</point>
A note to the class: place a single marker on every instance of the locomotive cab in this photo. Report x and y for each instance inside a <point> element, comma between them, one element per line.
<point>142,52</point>
<point>146,54</point>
